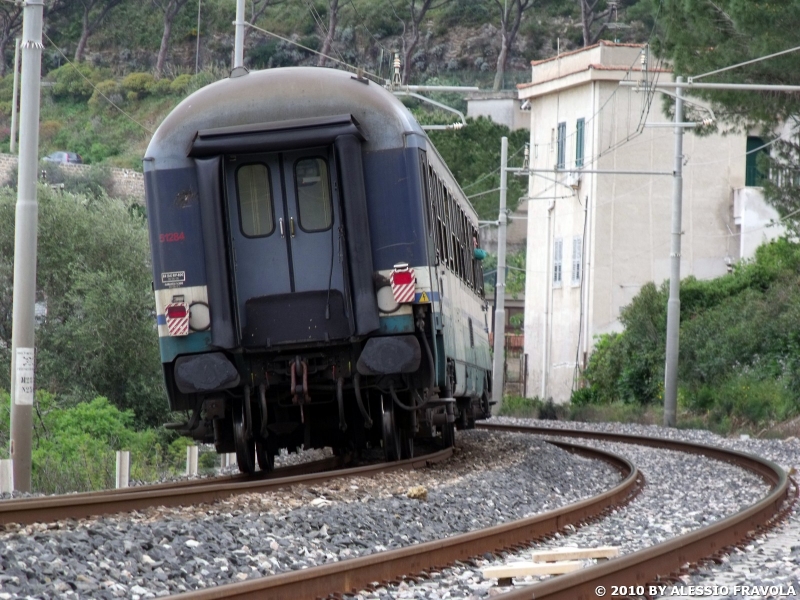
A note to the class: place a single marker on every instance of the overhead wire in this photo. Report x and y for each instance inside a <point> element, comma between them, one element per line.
<point>93,86</point>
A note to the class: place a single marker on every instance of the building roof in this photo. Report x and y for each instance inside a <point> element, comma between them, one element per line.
<point>579,50</point>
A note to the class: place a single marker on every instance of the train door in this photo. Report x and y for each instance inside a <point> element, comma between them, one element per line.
<point>288,249</point>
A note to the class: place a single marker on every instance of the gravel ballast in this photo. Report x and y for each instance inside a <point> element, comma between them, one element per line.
<point>491,479</point>
<point>684,492</point>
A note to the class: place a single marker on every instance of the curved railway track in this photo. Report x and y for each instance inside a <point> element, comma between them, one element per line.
<point>657,562</point>
<point>184,493</point>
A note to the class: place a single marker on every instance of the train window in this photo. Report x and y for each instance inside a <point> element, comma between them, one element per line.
<point>255,200</point>
<point>313,194</point>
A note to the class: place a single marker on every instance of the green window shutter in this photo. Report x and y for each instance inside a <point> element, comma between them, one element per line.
<point>579,127</point>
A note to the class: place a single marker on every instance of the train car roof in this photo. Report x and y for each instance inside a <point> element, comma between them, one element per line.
<point>285,94</point>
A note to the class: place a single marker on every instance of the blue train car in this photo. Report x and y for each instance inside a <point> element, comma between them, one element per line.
<point>314,270</point>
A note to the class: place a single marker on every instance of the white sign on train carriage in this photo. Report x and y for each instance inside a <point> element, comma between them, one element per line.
<point>23,385</point>
<point>173,278</point>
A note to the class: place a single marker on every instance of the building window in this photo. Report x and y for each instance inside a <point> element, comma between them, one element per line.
<point>755,148</point>
<point>562,143</point>
<point>558,255</point>
<point>577,258</point>
<point>579,127</point>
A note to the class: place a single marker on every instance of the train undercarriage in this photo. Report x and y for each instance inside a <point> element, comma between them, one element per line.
<point>314,399</point>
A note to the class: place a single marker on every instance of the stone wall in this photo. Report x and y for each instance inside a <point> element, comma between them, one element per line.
<point>126,183</point>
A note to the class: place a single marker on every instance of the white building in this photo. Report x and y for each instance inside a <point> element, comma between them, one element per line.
<point>594,239</point>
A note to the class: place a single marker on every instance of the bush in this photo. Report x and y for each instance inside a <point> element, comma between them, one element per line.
<point>74,81</point>
<point>160,87</point>
<point>138,83</point>
<point>75,446</point>
<point>180,84</point>
<point>109,89</point>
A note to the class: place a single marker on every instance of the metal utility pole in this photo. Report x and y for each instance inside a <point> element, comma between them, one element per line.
<point>674,305</point>
<point>500,286</point>
<point>14,96</point>
<point>22,358</point>
<point>238,46</point>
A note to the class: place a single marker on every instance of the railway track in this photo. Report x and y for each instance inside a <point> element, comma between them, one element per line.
<point>659,562</point>
<point>184,493</point>
<point>420,559</point>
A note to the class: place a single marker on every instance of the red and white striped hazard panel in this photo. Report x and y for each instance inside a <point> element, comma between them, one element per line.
<point>177,314</point>
<point>403,283</point>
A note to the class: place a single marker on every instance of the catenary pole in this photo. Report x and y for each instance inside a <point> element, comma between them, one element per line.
<point>25,247</point>
<point>14,97</point>
<point>674,304</point>
<point>500,286</point>
<point>238,46</point>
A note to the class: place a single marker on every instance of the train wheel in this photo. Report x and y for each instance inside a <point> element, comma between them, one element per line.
<point>265,457</point>
<point>243,440</point>
<point>406,439</point>
<point>391,439</point>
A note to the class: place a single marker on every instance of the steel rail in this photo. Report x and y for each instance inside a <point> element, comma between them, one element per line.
<point>666,559</point>
<point>77,506</point>
<point>358,573</point>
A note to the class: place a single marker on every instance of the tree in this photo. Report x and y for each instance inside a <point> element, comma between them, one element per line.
<point>411,30</point>
<point>257,9</point>
<point>511,12</point>
<point>700,36</point>
<point>170,8</point>
<point>10,25</point>
<point>333,19</point>
<point>93,13</point>
<point>591,14</point>
<point>95,330</point>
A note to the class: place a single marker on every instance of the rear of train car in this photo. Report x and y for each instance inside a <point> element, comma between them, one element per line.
<point>314,270</point>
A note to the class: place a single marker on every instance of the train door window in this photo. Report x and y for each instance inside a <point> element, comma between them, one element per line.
<point>313,194</point>
<point>255,200</point>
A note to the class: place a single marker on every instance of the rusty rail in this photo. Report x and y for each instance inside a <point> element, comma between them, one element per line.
<point>357,573</point>
<point>184,493</point>
<point>664,560</point>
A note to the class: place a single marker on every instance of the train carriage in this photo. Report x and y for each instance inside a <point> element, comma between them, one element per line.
<point>314,269</point>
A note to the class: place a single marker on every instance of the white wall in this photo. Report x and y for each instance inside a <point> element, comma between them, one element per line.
<point>629,216</point>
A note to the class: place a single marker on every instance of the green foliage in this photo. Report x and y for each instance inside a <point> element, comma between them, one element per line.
<point>74,446</point>
<point>97,337</point>
<point>515,273</point>
<point>74,82</point>
<point>103,92</point>
<point>699,37</point>
<point>137,83</point>
<point>739,344</point>
<point>473,155</point>
<point>161,87</point>
<point>180,84</point>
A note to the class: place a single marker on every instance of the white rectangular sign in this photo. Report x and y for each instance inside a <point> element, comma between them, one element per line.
<point>23,391</point>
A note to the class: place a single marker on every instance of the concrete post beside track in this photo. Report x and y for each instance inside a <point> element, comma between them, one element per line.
<point>191,461</point>
<point>6,476</point>
<point>123,468</point>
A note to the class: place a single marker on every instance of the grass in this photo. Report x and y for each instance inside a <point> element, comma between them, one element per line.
<point>619,412</point>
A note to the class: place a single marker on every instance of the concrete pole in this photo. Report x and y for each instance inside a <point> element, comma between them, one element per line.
<point>191,461</point>
<point>123,468</point>
<point>27,215</point>
<point>14,97</point>
<point>500,287</point>
<point>6,476</point>
<point>238,46</point>
<point>674,305</point>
